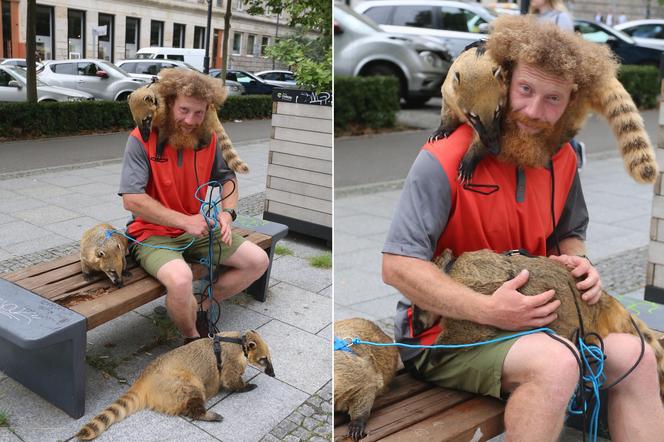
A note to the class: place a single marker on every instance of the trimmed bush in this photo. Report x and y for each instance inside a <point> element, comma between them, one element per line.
<point>367,101</point>
<point>24,120</point>
<point>642,83</point>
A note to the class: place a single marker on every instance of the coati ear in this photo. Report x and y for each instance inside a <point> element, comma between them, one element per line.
<point>100,254</point>
<point>457,78</point>
<point>251,345</point>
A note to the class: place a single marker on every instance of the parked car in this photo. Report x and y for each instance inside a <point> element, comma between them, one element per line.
<point>252,84</point>
<point>362,48</point>
<point>624,46</point>
<point>13,88</point>
<point>20,62</point>
<point>97,77</point>
<point>277,78</point>
<point>195,57</point>
<point>647,32</point>
<point>455,24</point>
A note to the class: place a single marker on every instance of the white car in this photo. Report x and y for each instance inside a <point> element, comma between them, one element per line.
<point>278,78</point>
<point>20,62</point>
<point>646,32</point>
<point>13,88</point>
<point>455,24</point>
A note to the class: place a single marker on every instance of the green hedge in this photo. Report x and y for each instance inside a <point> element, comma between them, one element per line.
<point>23,120</point>
<point>367,101</point>
<point>642,83</point>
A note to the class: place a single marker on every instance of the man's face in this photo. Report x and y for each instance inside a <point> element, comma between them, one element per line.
<point>538,96</point>
<point>188,112</point>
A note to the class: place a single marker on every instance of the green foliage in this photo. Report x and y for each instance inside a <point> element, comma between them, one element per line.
<point>323,261</point>
<point>27,120</point>
<point>367,101</point>
<point>642,83</point>
<point>4,418</point>
<point>282,250</point>
<point>309,57</point>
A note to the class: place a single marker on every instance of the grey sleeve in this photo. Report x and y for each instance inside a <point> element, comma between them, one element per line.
<point>565,22</point>
<point>574,219</point>
<point>135,168</point>
<point>220,171</point>
<point>422,211</point>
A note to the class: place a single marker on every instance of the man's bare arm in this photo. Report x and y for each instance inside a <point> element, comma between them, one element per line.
<point>144,206</point>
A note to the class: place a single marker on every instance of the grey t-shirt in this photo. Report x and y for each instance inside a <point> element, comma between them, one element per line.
<point>561,18</point>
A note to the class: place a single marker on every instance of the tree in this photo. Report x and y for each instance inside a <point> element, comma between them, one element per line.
<point>309,57</point>
<point>224,45</point>
<point>31,47</point>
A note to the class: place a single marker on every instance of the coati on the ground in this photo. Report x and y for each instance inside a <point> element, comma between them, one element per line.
<point>148,109</point>
<point>485,271</point>
<point>180,381</point>
<point>474,92</point>
<point>102,251</point>
<point>363,373</point>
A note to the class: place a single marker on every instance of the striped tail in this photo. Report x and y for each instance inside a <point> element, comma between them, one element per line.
<point>627,125</point>
<point>127,404</point>
<point>233,160</point>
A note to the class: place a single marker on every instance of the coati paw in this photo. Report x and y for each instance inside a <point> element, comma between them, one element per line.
<point>247,387</point>
<point>356,429</point>
<point>126,273</point>
<point>466,170</point>
<point>211,416</point>
<point>438,134</point>
<point>89,277</point>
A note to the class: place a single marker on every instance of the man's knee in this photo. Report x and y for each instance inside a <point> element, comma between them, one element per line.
<point>623,352</point>
<point>176,277</point>
<point>251,259</point>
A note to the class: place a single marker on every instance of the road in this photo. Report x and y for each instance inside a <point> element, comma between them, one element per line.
<point>42,153</point>
<point>379,158</point>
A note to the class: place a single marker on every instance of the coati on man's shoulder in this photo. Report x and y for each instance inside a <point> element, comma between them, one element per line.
<point>149,110</point>
<point>362,373</point>
<point>103,251</point>
<point>181,381</point>
<point>484,271</point>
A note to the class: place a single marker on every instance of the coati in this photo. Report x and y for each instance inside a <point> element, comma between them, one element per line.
<point>362,373</point>
<point>485,271</point>
<point>180,381</point>
<point>476,89</point>
<point>102,251</point>
<point>148,109</point>
<point>474,92</point>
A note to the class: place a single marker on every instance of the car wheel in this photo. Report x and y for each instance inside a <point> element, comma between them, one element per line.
<point>387,70</point>
<point>123,96</point>
<point>416,101</point>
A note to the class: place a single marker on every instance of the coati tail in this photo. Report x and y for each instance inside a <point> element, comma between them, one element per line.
<point>627,125</point>
<point>127,404</point>
<point>231,157</point>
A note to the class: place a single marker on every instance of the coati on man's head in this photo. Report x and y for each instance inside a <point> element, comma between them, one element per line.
<point>592,68</point>
<point>149,109</point>
<point>362,373</point>
<point>103,251</point>
<point>180,381</point>
<point>485,271</point>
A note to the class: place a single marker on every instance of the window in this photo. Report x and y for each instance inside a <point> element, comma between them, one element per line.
<point>239,5</point>
<point>237,43</point>
<point>156,33</point>
<point>178,35</point>
<point>75,33</point>
<point>592,32</point>
<point>457,19</point>
<point>5,78</point>
<point>646,31</point>
<point>379,14</point>
<point>199,37</point>
<point>251,41</point>
<point>419,16</point>
<point>150,68</point>
<point>175,57</point>
<point>132,35</point>
<point>272,76</point>
<point>105,41</point>
<point>45,35</point>
<point>265,41</point>
<point>129,68</point>
<point>87,68</point>
<point>64,68</point>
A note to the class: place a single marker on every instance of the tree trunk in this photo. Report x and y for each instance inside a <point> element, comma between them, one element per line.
<point>31,47</point>
<point>224,44</point>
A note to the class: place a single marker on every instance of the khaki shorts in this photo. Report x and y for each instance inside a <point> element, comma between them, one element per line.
<point>152,259</point>
<point>476,370</point>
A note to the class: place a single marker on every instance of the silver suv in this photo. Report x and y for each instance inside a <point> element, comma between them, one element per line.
<point>13,88</point>
<point>453,23</point>
<point>97,77</point>
<point>362,48</point>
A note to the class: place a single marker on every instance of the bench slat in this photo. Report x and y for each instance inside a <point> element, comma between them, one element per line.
<point>459,423</point>
<point>33,282</point>
<point>38,269</point>
<point>398,416</point>
<point>78,285</point>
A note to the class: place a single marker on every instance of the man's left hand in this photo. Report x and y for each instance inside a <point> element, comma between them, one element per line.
<point>591,286</point>
<point>225,225</point>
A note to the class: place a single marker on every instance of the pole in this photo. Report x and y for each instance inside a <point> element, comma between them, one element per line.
<point>525,4</point>
<point>276,35</point>
<point>208,32</point>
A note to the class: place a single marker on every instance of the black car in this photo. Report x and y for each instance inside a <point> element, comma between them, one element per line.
<point>624,46</point>
<point>251,83</point>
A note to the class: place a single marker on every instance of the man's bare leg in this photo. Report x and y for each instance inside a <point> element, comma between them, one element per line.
<point>244,266</point>
<point>180,302</point>
<point>635,407</point>
<point>541,375</point>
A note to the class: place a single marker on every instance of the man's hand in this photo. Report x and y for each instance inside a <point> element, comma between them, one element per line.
<point>591,286</point>
<point>515,311</point>
<point>195,225</point>
<point>226,221</point>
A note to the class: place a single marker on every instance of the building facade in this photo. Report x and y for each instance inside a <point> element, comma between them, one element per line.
<point>115,30</point>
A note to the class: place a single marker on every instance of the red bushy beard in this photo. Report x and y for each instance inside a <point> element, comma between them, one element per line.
<point>180,136</point>
<point>521,148</point>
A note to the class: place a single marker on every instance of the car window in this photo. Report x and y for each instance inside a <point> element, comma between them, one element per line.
<point>159,56</point>
<point>64,68</point>
<point>87,68</point>
<point>129,67</point>
<point>175,57</point>
<point>461,20</point>
<point>646,31</point>
<point>230,76</point>
<point>5,78</point>
<point>379,14</point>
<point>289,77</point>
<point>147,67</point>
<point>242,78</point>
<point>592,32</point>
<point>272,76</point>
<point>419,16</point>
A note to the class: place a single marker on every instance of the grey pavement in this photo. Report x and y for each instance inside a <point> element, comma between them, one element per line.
<point>42,215</point>
<point>617,237</point>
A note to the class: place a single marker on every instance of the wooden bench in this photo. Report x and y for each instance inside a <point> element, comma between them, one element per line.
<point>46,309</point>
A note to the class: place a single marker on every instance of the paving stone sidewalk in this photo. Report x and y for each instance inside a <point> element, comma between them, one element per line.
<point>42,216</point>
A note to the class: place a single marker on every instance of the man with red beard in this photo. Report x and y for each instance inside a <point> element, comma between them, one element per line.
<point>158,185</point>
<point>528,197</point>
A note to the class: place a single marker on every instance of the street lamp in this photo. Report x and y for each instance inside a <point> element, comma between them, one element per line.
<point>208,31</point>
